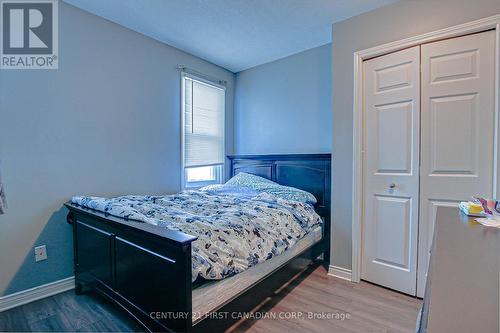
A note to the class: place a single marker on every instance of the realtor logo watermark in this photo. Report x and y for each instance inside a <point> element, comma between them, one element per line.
<point>29,34</point>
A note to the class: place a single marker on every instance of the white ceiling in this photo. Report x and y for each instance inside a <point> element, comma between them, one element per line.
<point>234,34</point>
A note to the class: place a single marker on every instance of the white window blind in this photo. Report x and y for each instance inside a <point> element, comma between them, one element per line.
<point>204,108</point>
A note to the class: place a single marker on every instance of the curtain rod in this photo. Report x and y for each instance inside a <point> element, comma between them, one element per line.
<point>188,70</point>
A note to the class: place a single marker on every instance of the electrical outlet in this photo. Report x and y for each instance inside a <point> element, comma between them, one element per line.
<point>40,253</point>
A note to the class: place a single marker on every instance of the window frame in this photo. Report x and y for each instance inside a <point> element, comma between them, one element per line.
<point>219,168</point>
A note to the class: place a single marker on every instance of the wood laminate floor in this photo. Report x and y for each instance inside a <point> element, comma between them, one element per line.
<point>337,305</point>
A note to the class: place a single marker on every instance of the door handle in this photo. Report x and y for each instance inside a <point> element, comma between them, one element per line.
<point>392,186</point>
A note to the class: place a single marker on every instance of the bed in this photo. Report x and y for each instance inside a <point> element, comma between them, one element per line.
<point>149,270</point>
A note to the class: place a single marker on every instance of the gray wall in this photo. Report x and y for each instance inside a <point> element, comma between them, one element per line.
<point>106,123</point>
<point>394,22</point>
<point>285,106</point>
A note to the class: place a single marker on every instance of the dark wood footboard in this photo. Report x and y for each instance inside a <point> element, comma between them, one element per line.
<point>144,269</point>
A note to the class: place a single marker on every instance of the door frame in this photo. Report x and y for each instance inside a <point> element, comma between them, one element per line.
<point>488,23</point>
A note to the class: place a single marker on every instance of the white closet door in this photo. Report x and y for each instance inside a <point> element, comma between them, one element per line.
<point>457,131</point>
<point>391,198</point>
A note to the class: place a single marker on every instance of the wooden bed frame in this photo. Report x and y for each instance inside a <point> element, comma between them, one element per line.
<point>146,270</point>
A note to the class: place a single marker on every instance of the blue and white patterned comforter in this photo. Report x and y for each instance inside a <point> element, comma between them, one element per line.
<point>235,230</point>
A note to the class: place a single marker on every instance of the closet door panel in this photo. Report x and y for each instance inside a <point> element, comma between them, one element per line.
<point>392,116</point>
<point>457,128</point>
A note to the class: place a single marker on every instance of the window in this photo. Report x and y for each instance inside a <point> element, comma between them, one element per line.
<point>203,110</point>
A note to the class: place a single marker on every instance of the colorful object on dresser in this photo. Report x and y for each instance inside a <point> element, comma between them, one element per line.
<point>472,208</point>
<point>491,209</point>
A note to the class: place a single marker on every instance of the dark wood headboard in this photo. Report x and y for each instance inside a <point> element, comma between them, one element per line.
<point>308,172</point>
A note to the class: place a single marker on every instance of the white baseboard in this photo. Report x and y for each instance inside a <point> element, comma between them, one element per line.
<point>29,295</point>
<point>340,272</point>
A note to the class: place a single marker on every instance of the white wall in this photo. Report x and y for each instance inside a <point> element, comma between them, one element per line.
<point>285,106</point>
<point>394,22</point>
<point>106,123</point>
